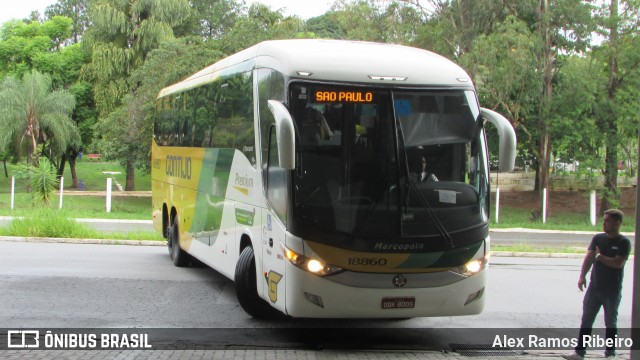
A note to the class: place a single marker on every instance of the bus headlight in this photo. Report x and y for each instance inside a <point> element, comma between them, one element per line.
<point>311,265</point>
<point>315,266</point>
<point>473,267</point>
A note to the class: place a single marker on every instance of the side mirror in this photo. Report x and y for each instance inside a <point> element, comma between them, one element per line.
<point>285,132</point>
<point>507,150</point>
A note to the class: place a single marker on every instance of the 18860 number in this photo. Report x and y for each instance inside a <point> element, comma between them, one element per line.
<point>368,261</point>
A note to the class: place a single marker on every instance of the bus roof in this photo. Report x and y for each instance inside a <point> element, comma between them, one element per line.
<point>341,61</point>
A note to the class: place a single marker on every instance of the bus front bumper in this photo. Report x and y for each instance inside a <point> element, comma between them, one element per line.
<point>308,295</point>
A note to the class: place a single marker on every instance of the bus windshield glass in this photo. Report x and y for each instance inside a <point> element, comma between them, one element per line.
<point>380,163</point>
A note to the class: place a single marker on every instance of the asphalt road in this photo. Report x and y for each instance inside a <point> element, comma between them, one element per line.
<point>46,285</point>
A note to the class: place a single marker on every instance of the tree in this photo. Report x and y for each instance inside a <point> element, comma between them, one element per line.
<point>260,23</point>
<point>123,34</point>
<point>360,20</point>
<point>77,11</point>
<point>618,20</point>
<point>563,26</point>
<point>211,19</point>
<point>573,121</point>
<point>166,65</point>
<point>4,156</point>
<point>503,64</point>
<point>44,46</point>
<point>85,116</point>
<point>326,26</point>
<point>450,27</point>
<point>35,114</point>
<point>64,67</point>
<point>370,20</point>
<point>22,44</point>
<point>67,64</point>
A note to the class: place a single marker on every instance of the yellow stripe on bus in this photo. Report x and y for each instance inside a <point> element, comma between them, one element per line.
<point>376,262</point>
<point>180,167</point>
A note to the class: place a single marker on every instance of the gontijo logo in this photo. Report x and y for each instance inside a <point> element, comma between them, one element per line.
<point>178,166</point>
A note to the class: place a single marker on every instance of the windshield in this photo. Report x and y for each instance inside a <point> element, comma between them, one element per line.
<point>380,164</point>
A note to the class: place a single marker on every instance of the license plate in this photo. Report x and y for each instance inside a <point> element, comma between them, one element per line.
<point>398,303</point>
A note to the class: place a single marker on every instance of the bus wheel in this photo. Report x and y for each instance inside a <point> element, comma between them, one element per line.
<point>180,257</point>
<point>167,236</point>
<point>245,281</point>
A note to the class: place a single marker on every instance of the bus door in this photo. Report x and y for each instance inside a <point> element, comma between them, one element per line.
<point>273,261</point>
<point>274,228</point>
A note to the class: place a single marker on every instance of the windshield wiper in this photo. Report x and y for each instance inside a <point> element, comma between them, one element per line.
<point>429,210</point>
<point>427,206</point>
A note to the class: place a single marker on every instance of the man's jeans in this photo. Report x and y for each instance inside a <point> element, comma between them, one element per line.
<point>593,300</point>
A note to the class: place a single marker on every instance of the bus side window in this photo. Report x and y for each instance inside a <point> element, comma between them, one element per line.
<point>276,179</point>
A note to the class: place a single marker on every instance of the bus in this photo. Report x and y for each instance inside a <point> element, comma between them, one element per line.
<point>330,179</point>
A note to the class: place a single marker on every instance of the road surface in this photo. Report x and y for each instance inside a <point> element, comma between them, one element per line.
<point>46,285</point>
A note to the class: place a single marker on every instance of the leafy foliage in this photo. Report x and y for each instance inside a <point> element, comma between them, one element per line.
<point>37,115</point>
<point>42,180</point>
<point>210,19</point>
<point>122,35</point>
<point>565,74</point>
<point>77,11</point>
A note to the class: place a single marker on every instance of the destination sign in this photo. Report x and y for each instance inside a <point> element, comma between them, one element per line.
<point>340,96</point>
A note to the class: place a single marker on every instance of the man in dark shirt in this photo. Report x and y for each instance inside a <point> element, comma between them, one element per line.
<point>608,252</point>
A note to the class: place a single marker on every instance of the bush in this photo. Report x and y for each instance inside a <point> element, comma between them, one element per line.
<point>42,179</point>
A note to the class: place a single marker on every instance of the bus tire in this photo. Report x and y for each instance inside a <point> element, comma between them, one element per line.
<point>245,281</point>
<point>179,257</point>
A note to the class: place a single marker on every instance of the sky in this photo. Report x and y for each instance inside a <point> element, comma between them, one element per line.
<point>20,9</point>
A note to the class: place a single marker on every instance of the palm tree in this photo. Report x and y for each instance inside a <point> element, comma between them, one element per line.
<point>122,34</point>
<point>34,114</point>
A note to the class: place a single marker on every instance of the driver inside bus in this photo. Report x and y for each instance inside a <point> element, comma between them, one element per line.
<point>423,174</point>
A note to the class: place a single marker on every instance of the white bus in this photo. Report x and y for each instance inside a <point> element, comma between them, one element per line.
<point>330,179</point>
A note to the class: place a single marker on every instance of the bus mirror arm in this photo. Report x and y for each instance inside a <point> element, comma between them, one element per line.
<point>285,132</point>
<point>507,151</point>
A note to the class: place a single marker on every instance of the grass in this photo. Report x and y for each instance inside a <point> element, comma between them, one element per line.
<point>520,218</point>
<point>91,173</point>
<point>53,224</point>
<point>131,208</point>
<point>93,176</point>
<point>93,179</point>
<point>541,249</point>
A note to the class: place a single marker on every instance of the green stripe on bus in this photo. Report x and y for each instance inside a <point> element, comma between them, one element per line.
<point>212,187</point>
<point>445,259</point>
